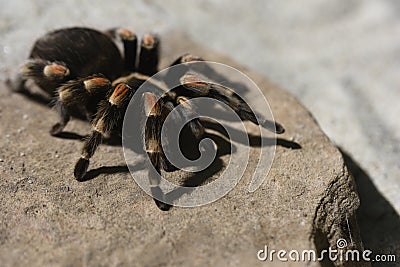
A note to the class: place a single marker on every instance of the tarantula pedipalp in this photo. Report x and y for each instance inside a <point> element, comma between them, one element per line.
<point>84,71</point>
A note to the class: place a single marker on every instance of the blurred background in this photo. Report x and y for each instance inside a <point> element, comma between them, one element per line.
<point>341,59</point>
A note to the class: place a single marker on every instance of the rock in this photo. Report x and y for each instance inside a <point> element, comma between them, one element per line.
<point>307,202</point>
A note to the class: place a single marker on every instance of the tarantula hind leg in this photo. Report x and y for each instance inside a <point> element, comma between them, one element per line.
<point>130,41</point>
<point>107,117</point>
<point>185,58</point>
<point>149,55</point>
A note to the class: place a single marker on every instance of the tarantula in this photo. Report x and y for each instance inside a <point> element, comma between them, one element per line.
<point>84,70</point>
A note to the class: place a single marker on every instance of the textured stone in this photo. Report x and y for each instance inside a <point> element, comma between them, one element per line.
<point>308,200</point>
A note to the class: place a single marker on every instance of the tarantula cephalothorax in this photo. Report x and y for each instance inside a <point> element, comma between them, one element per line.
<point>84,71</point>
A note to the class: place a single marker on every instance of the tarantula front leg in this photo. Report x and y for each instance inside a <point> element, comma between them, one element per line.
<point>155,115</point>
<point>190,116</point>
<point>85,92</point>
<point>109,114</point>
<point>156,111</point>
<point>188,112</point>
<point>186,116</point>
<point>194,86</point>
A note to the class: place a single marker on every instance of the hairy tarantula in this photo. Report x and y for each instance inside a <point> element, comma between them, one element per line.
<point>84,71</point>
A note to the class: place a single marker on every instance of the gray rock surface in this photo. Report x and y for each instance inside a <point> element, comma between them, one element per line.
<point>308,200</point>
<point>340,59</point>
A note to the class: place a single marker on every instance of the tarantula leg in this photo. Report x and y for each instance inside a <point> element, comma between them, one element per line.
<point>134,80</point>
<point>46,74</point>
<point>149,55</point>
<point>172,76</point>
<point>130,41</point>
<point>185,58</point>
<point>17,84</point>
<point>195,126</point>
<point>246,113</point>
<point>64,115</point>
<point>168,106</point>
<point>88,150</point>
<point>189,111</point>
<point>152,138</point>
<point>110,112</point>
<point>197,87</point>
<point>77,92</point>
<point>38,69</point>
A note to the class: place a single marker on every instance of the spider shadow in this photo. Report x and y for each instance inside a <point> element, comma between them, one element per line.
<point>254,140</point>
<point>33,96</point>
<point>195,180</point>
<point>224,147</point>
<point>92,174</point>
<point>113,140</point>
<point>190,151</point>
<point>378,220</point>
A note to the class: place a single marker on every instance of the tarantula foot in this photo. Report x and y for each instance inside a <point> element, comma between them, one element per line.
<point>273,126</point>
<point>15,86</point>
<point>80,168</point>
<point>161,205</point>
<point>156,191</point>
<point>279,128</point>
<point>168,166</point>
<point>56,129</point>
